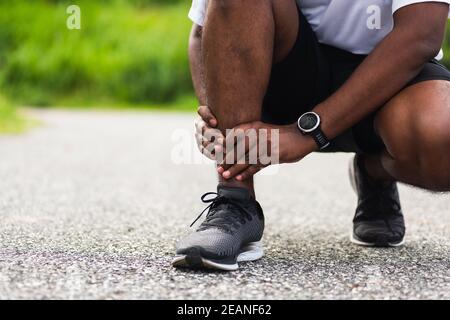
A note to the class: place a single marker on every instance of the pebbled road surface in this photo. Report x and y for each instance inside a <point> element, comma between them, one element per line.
<point>91,205</point>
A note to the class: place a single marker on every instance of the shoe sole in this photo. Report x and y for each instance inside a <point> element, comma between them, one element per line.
<point>251,252</point>
<point>353,238</point>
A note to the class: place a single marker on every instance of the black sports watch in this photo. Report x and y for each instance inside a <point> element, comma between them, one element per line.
<point>309,124</point>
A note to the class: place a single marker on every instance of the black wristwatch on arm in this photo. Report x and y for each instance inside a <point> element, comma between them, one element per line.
<point>309,124</point>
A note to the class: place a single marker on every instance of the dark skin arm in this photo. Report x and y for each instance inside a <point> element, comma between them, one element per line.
<point>416,38</point>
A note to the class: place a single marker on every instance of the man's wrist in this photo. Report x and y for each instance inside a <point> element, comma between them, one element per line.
<point>305,144</point>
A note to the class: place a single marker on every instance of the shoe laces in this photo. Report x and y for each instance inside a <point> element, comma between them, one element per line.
<point>223,212</point>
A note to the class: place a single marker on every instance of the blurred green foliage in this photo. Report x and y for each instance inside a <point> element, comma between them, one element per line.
<point>11,121</point>
<point>447,47</point>
<point>127,52</point>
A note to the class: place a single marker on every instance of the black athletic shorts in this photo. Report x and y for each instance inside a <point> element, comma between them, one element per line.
<point>310,74</point>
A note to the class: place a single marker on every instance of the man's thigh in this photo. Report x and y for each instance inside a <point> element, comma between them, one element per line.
<point>415,118</point>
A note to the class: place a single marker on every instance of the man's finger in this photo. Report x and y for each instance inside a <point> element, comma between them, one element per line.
<point>201,141</point>
<point>248,173</point>
<point>206,114</point>
<point>205,142</point>
<point>207,153</point>
<point>234,171</point>
<point>213,135</point>
<point>238,142</point>
<point>238,169</point>
<point>200,126</point>
<point>245,154</point>
<point>205,150</point>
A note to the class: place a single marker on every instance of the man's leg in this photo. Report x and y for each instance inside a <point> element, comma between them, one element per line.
<point>241,41</point>
<point>415,127</point>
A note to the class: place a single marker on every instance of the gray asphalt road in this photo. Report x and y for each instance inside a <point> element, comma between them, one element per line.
<point>91,205</point>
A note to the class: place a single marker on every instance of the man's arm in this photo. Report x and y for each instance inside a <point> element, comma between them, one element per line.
<point>416,38</point>
<point>195,59</point>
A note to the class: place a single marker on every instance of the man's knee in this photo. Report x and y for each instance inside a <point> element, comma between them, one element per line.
<point>425,155</point>
<point>279,17</point>
<point>431,150</point>
<point>417,135</point>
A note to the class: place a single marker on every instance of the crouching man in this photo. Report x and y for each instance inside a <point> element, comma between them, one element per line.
<point>331,76</point>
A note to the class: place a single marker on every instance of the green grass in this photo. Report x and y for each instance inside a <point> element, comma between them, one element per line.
<point>127,52</point>
<point>447,47</point>
<point>11,121</point>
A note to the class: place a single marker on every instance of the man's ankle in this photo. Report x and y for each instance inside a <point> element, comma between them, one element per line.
<point>240,184</point>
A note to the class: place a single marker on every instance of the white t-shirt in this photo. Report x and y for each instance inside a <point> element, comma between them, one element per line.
<point>356,26</point>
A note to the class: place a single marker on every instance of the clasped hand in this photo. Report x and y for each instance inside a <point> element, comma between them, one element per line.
<point>248,148</point>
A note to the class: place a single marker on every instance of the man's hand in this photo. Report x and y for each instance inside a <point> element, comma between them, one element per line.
<point>210,140</point>
<point>270,144</point>
<point>288,144</point>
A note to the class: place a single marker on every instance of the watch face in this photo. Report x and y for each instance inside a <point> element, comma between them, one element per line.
<point>309,122</point>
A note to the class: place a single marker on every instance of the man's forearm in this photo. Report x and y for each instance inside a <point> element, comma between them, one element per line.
<point>196,65</point>
<point>395,62</point>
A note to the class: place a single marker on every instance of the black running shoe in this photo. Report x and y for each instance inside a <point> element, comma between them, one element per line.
<point>379,219</point>
<point>231,232</point>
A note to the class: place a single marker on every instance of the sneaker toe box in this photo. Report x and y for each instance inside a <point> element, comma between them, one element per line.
<point>209,243</point>
<point>378,233</point>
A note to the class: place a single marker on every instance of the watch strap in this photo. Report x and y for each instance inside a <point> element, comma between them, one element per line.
<point>320,138</point>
